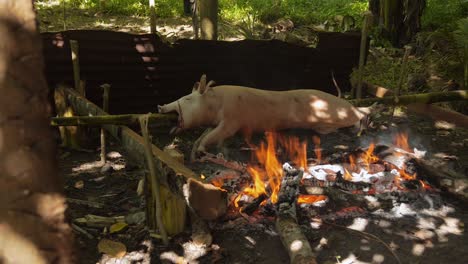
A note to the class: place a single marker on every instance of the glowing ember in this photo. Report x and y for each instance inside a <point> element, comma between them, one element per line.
<point>317,150</point>
<point>310,199</point>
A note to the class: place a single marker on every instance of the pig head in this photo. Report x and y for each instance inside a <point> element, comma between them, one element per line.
<point>230,108</point>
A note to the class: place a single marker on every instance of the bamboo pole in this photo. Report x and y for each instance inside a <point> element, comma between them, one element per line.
<point>362,54</point>
<point>127,119</point>
<point>426,98</point>
<point>153,178</point>
<point>105,107</point>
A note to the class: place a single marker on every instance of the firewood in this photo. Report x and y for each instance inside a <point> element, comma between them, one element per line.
<point>251,207</point>
<point>293,239</point>
<point>448,181</point>
<point>218,159</point>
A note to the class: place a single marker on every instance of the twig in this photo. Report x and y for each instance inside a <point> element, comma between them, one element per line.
<point>81,230</point>
<point>367,235</point>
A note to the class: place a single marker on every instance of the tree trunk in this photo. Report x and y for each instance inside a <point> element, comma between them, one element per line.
<point>209,19</point>
<point>32,224</point>
<point>399,20</point>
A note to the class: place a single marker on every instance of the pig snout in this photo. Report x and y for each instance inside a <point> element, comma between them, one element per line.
<point>168,108</point>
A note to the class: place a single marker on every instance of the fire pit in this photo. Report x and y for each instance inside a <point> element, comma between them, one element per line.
<point>289,180</point>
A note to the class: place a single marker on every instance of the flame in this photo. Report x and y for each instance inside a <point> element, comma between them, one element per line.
<point>297,151</point>
<point>352,166</point>
<point>405,175</point>
<point>258,187</point>
<point>236,200</point>
<point>310,199</point>
<point>368,157</point>
<point>266,156</point>
<point>401,141</point>
<point>317,150</point>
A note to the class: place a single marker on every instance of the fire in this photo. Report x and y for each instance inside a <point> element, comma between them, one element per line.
<point>317,150</point>
<point>405,175</point>
<point>352,166</point>
<point>297,151</point>
<point>310,199</point>
<point>401,141</point>
<point>368,157</point>
<point>266,156</point>
<point>258,187</point>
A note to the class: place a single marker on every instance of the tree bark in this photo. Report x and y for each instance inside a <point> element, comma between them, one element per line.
<point>209,19</point>
<point>32,206</point>
<point>399,20</point>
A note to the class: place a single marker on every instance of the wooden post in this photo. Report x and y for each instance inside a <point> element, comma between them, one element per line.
<point>209,19</point>
<point>105,107</point>
<point>362,55</point>
<point>153,179</point>
<point>64,16</point>
<point>76,62</point>
<point>152,17</point>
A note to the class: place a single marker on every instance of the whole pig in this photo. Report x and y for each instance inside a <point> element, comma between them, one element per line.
<point>231,108</point>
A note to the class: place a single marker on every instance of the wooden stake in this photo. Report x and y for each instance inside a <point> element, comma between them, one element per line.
<point>152,17</point>
<point>105,107</point>
<point>153,178</point>
<point>362,54</point>
<point>74,47</point>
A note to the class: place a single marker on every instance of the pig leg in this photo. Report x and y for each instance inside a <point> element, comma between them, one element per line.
<point>193,154</point>
<point>217,135</point>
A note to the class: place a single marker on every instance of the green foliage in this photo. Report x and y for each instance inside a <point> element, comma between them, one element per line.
<point>461,40</point>
<point>444,13</point>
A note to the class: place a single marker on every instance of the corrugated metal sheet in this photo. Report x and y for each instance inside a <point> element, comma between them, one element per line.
<point>144,71</point>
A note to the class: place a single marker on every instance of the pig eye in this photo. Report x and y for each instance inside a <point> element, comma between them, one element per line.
<point>187,99</point>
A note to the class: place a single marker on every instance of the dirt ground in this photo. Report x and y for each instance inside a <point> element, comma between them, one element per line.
<point>430,230</point>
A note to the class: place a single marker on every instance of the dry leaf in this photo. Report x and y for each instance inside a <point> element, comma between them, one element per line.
<point>112,248</point>
<point>117,227</point>
<point>79,185</point>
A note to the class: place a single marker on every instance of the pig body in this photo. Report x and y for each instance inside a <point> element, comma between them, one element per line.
<point>231,108</point>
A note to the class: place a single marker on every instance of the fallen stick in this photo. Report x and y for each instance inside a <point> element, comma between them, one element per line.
<point>426,98</point>
<point>293,239</point>
<point>433,111</point>
<point>127,119</point>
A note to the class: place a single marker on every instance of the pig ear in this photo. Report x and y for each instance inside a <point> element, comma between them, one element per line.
<point>202,84</point>
<point>195,86</point>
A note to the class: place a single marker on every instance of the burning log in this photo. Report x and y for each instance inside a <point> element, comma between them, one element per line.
<point>251,207</point>
<point>293,239</point>
<point>448,181</point>
<point>220,160</point>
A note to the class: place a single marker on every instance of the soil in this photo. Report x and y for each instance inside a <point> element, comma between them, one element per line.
<point>431,235</point>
